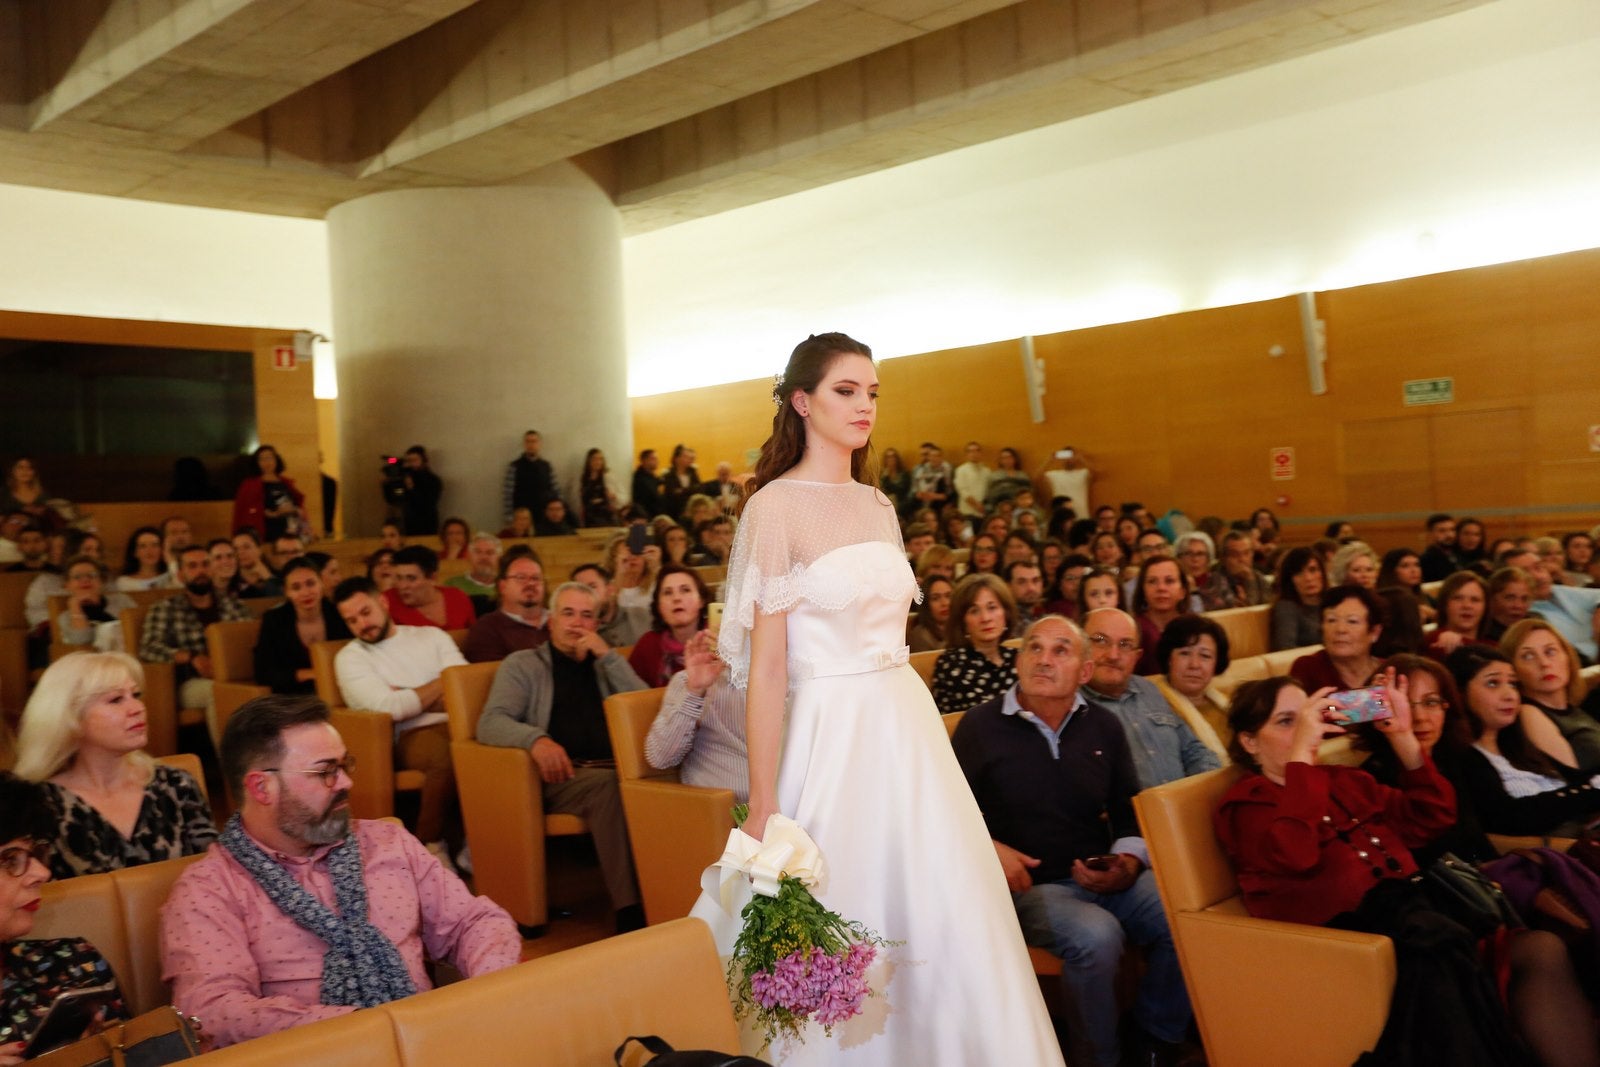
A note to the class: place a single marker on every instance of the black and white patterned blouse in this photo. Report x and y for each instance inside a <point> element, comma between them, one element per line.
<point>36,972</point>
<point>174,821</point>
<point>963,678</point>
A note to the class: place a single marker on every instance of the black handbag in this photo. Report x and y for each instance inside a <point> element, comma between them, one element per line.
<point>150,1040</point>
<point>1465,894</point>
<point>666,1056</point>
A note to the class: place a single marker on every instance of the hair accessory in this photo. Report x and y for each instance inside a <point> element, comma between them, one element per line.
<point>777,390</point>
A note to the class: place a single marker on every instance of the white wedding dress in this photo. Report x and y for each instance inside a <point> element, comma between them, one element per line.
<point>867,769</point>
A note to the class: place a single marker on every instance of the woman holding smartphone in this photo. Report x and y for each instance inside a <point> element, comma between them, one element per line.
<point>36,972</point>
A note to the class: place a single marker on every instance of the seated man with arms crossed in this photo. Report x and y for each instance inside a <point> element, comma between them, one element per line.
<point>550,701</point>
<point>1054,778</point>
<point>395,670</point>
<point>297,914</point>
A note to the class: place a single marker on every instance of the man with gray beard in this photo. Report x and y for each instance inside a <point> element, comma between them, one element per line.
<point>298,913</point>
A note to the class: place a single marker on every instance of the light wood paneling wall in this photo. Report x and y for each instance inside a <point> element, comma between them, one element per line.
<point>1184,410</point>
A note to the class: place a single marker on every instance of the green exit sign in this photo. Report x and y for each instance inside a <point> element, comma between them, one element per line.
<point>1429,391</point>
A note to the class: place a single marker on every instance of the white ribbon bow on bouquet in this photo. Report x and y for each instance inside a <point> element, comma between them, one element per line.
<point>785,849</point>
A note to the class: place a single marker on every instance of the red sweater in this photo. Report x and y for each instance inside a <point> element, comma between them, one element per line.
<point>458,613</point>
<point>250,503</point>
<point>1293,866</point>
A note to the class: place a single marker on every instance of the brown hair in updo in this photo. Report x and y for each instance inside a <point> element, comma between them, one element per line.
<point>808,365</point>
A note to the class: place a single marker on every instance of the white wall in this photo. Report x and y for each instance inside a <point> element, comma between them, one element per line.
<point>1465,141</point>
<point>77,254</point>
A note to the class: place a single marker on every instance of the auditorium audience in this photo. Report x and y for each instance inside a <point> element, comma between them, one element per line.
<point>975,665</point>
<point>176,535</point>
<point>553,521</point>
<point>1289,828</point>
<point>24,493</point>
<point>1548,675</point>
<point>283,646</point>
<point>1577,549</point>
<point>1470,548</point>
<point>1106,550</point>
<point>1354,563</point>
<point>529,480</point>
<point>1296,604</point>
<point>647,484</point>
<point>520,620</point>
<point>1240,584</point>
<point>1510,594</point>
<point>1402,568</point>
<point>632,573</point>
<point>1164,747</point>
<point>932,480</point>
<point>936,559</point>
<point>391,536</point>
<point>1161,593</point>
<point>983,556</point>
<point>1463,608</point>
<point>267,502</point>
<point>380,568</point>
<point>521,525</point>
<point>416,601</point>
<point>419,503</point>
<point>1265,526</point>
<point>144,565</point>
<point>677,613</point>
<point>454,534</point>
<point>1061,596</point>
<point>33,548</point>
<point>1352,619</point>
<point>91,615</point>
<point>175,629</point>
<point>700,727</point>
<point>1197,555</point>
<point>253,578</point>
<point>83,735</point>
<point>1402,624</point>
<point>1128,531</point>
<point>1007,479</point>
<point>394,669</point>
<point>1101,587</point>
<point>1051,553</point>
<point>1192,651</point>
<point>267,932</point>
<point>679,482</point>
<point>482,574</point>
<point>1573,612</point>
<point>36,970</point>
<point>971,482</point>
<point>895,480</point>
<point>674,545</point>
<point>1026,582</point>
<point>1440,558</point>
<point>618,626</point>
<point>931,621</point>
<point>549,702</point>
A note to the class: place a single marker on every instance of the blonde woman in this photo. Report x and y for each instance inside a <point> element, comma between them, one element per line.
<point>1355,563</point>
<point>634,575</point>
<point>83,736</point>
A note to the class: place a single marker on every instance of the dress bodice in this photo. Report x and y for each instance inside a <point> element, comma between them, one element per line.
<point>873,580</point>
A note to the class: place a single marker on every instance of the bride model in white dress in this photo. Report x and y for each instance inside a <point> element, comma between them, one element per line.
<point>817,595</point>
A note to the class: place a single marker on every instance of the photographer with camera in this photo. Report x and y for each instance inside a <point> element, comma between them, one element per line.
<point>411,487</point>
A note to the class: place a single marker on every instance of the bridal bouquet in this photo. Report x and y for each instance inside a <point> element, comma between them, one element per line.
<point>794,960</point>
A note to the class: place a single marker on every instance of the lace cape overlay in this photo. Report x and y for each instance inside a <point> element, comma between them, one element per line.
<point>786,527</point>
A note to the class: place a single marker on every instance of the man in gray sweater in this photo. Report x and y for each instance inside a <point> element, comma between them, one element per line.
<point>550,701</point>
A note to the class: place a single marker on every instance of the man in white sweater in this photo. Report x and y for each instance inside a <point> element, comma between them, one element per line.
<point>395,670</point>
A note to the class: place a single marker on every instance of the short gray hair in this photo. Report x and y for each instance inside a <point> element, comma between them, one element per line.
<point>1073,629</point>
<point>574,587</point>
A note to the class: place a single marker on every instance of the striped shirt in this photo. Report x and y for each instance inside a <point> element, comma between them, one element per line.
<point>702,736</point>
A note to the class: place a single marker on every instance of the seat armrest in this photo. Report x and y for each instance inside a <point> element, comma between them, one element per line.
<point>676,832</point>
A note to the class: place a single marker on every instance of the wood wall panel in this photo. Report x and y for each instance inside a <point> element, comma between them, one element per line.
<point>1182,410</point>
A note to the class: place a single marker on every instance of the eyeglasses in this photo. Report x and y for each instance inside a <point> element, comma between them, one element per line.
<point>14,861</point>
<point>329,775</point>
<point>1432,703</point>
<point>1123,647</point>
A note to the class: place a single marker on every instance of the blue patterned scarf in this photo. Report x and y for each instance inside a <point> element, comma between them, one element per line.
<point>362,968</point>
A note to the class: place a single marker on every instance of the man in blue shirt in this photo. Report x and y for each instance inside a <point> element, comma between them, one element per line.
<point>1164,748</point>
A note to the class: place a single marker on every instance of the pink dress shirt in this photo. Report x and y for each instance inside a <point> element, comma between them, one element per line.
<point>246,969</point>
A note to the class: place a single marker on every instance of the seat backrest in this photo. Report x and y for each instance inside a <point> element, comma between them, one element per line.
<point>141,891</point>
<point>322,656</point>
<point>1249,629</point>
<point>1191,869</point>
<point>628,718</point>
<point>232,646</point>
<point>459,636</point>
<point>132,620</point>
<point>13,592</point>
<point>87,907</point>
<point>187,761</point>
<point>924,662</point>
<point>258,606</point>
<point>465,690</point>
<point>55,604</point>
<point>1278,663</point>
<point>951,721</point>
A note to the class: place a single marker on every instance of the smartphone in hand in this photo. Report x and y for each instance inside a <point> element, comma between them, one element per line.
<point>1351,706</point>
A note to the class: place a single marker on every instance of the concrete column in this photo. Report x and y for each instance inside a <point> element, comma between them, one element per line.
<point>462,318</point>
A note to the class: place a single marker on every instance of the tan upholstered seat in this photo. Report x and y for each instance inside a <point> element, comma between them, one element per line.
<point>1263,992</point>
<point>923,663</point>
<point>502,803</point>
<point>1249,630</point>
<point>160,687</point>
<point>676,830</point>
<point>232,646</point>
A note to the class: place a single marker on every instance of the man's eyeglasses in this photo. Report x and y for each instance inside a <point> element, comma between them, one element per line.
<point>14,860</point>
<point>329,774</point>
<point>1125,647</point>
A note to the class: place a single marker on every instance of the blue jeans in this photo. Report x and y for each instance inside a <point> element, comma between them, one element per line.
<point>1088,931</point>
